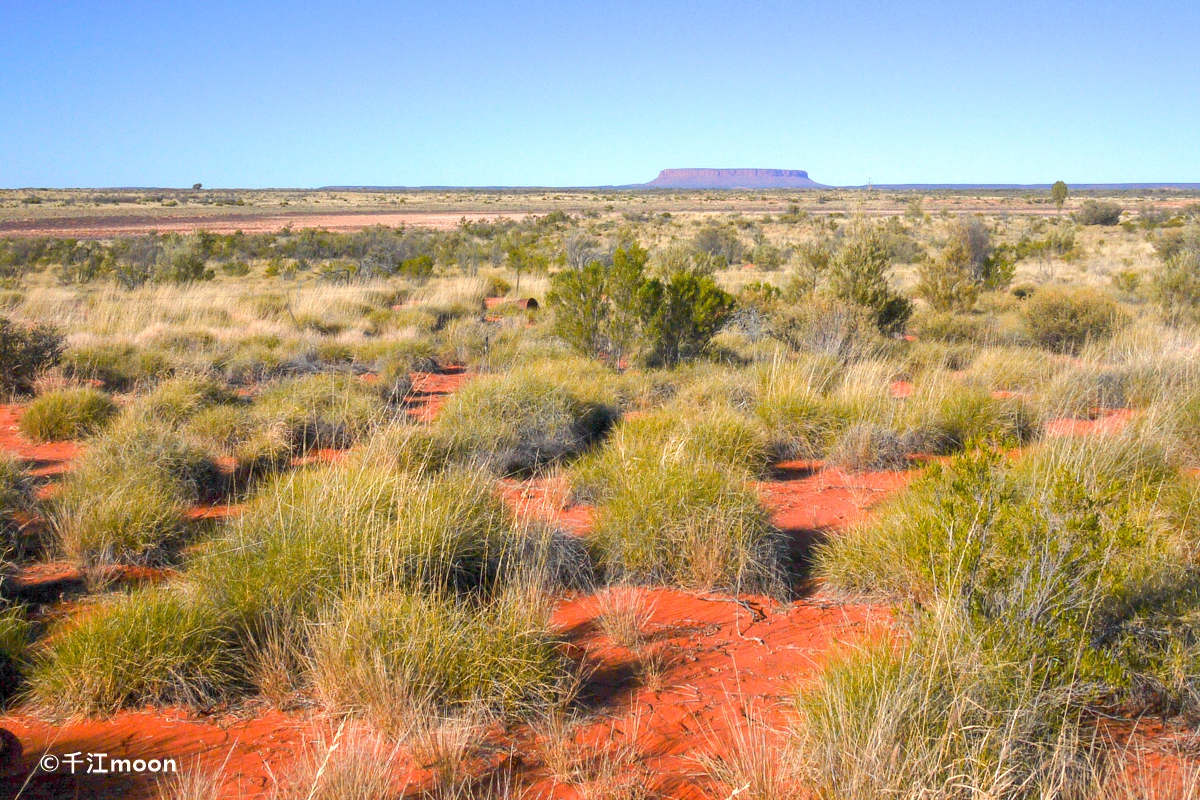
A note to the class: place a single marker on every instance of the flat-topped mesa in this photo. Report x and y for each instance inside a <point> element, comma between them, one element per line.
<point>732,179</point>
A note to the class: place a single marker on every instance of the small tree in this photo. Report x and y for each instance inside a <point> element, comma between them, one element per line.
<point>1058,193</point>
<point>581,308</point>
<point>948,282</point>
<point>681,316</point>
<point>858,273</point>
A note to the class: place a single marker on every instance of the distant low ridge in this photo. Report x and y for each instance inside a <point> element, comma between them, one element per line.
<point>732,179</point>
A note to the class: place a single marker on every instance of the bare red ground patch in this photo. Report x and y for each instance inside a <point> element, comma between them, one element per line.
<point>725,663</point>
<point>1103,422</point>
<point>45,459</point>
<point>548,500</point>
<point>431,390</point>
<point>250,749</point>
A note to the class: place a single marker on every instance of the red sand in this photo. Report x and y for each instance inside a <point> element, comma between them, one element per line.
<point>431,390</point>
<point>247,222</point>
<point>46,459</point>
<point>1104,422</point>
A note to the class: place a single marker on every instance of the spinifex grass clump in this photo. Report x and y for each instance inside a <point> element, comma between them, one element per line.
<point>388,654</point>
<point>533,416</point>
<point>177,400</point>
<point>674,506</point>
<point>16,498</point>
<point>127,499</point>
<point>311,536</point>
<point>154,645</point>
<point>67,414</point>
<point>1040,589</point>
<point>324,410</point>
<point>344,581</point>
<point>15,635</point>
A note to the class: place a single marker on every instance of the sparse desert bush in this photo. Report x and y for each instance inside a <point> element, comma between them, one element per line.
<point>24,352</point>
<point>235,431</point>
<point>321,410</point>
<point>948,326</point>
<point>1177,282</point>
<point>127,499</point>
<point>817,323</point>
<point>1010,369</point>
<point>532,417</point>
<point>1063,320</point>
<point>1042,589</point>
<point>382,653</point>
<point>1098,212</point>
<point>67,414</point>
<point>1082,390</point>
<point>858,273</point>
<point>967,722</point>
<point>151,646</point>
<point>945,416</point>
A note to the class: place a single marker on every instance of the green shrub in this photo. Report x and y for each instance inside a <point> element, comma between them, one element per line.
<point>858,273</point>
<point>1063,320</point>
<point>534,416</point>
<point>673,507</point>
<point>947,326</point>
<point>685,524</point>
<point>945,416</point>
<point>151,646</point>
<point>681,316</point>
<point>24,352</point>
<point>1098,212</point>
<point>940,716</point>
<point>176,400</point>
<point>321,410</point>
<point>386,654</point>
<point>66,414</point>
<point>865,446</point>
<point>128,497</point>
<point>1177,285</point>
<point>1061,560</point>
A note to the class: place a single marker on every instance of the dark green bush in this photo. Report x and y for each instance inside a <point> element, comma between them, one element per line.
<point>24,352</point>
<point>1098,212</point>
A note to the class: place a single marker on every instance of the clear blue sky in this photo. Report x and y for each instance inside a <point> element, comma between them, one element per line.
<point>255,94</point>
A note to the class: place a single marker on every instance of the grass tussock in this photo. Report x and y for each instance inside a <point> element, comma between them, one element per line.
<point>127,499</point>
<point>16,635</point>
<point>66,414</point>
<point>16,501</point>
<point>1042,591</point>
<point>149,646</point>
<point>531,417</point>
<point>321,411</point>
<point>385,655</point>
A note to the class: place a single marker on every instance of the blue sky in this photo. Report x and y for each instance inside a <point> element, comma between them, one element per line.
<point>257,94</point>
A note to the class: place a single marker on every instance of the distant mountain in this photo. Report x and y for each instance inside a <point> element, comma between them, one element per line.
<point>732,179</point>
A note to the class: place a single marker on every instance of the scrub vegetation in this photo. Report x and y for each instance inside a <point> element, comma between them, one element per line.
<point>321,448</point>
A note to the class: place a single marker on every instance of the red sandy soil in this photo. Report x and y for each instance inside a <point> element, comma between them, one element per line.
<point>431,390</point>
<point>46,459</point>
<point>249,222</point>
<point>1104,422</point>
